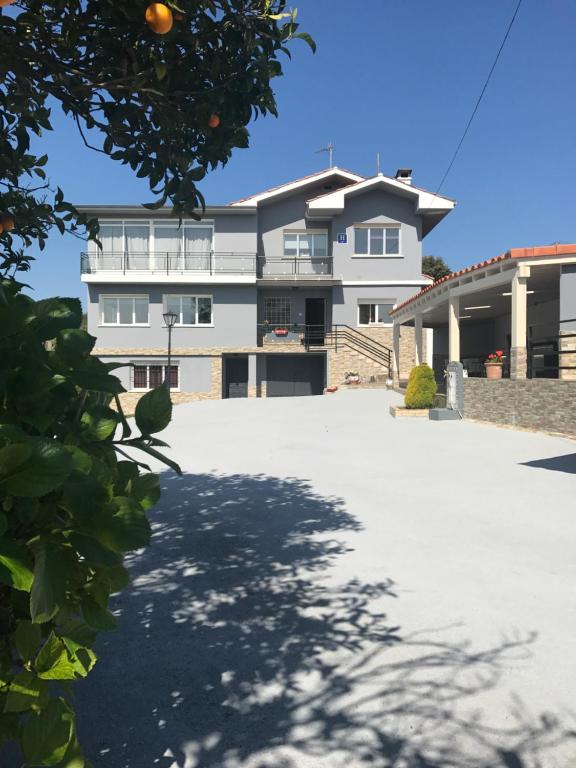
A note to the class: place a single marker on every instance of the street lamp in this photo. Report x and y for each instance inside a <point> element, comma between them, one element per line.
<point>170,320</point>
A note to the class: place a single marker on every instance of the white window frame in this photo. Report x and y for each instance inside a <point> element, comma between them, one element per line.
<point>132,296</point>
<point>152,224</point>
<point>376,303</point>
<point>190,296</point>
<point>378,255</point>
<point>146,364</point>
<point>297,233</point>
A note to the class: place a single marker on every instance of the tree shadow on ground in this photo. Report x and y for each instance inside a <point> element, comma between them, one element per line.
<point>566,463</point>
<point>236,650</point>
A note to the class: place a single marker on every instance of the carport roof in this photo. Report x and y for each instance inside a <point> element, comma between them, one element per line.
<point>557,249</point>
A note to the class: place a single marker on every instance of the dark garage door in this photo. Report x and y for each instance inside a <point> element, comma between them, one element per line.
<point>236,376</point>
<point>293,375</point>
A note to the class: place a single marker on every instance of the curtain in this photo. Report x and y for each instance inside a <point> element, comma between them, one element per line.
<point>112,239</point>
<point>167,248</point>
<point>137,247</point>
<point>197,247</point>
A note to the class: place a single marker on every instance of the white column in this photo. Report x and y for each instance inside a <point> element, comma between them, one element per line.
<point>418,342</point>
<point>454,329</point>
<point>518,354</point>
<point>396,353</point>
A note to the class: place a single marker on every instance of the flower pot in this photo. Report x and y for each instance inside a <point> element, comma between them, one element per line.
<point>281,332</point>
<point>493,370</point>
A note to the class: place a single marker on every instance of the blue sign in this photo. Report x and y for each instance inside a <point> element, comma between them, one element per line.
<point>342,238</point>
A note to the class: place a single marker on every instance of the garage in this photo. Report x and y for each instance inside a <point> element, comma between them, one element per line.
<point>295,375</point>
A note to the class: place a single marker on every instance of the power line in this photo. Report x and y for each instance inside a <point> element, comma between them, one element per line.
<point>482,92</point>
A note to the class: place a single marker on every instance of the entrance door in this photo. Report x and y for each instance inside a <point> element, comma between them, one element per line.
<point>315,318</point>
<point>236,376</point>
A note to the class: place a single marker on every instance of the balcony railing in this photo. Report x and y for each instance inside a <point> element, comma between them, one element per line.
<point>209,263</point>
<point>290,268</point>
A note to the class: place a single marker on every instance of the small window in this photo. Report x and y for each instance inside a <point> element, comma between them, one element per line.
<point>145,377</point>
<point>190,310</point>
<point>375,313</point>
<point>277,310</point>
<point>124,310</point>
<point>305,245</point>
<point>376,241</point>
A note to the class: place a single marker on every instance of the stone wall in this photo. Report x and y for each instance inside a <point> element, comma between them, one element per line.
<point>543,404</point>
<point>568,358</point>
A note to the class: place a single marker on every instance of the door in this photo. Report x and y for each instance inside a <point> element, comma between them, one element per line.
<point>315,314</point>
<point>236,376</point>
<point>293,375</point>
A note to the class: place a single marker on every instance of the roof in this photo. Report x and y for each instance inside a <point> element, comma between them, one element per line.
<point>513,253</point>
<point>141,212</point>
<point>296,184</point>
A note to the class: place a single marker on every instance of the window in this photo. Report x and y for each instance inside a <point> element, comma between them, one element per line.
<point>377,241</point>
<point>277,310</point>
<point>190,310</point>
<point>153,375</point>
<point>375,313</point>
<point>305,245</point>
<point>124,310</point>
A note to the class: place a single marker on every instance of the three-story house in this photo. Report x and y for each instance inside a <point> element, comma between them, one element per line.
<point>280,293</point>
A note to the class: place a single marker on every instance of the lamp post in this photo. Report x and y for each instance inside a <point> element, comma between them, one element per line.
<point>170,320</point>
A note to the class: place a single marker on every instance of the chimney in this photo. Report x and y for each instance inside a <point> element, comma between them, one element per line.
<point>404,174</point>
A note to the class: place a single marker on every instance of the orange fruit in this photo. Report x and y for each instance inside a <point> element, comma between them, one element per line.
<point>214,121</point>
<point>5,2</point>
<point>159,18</point>
<point>7,223</point>
<point>1,228</point>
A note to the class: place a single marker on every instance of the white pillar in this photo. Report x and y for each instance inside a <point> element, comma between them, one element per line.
<point>518,354</point>
<point>418,342</point>
<point>396,353</point>
<point>454,329</point>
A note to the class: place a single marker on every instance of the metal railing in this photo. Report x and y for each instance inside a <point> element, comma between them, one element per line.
<point>290,267</point>
<point>337,336</point>
<point>167,263</point>
<point>550,356</point>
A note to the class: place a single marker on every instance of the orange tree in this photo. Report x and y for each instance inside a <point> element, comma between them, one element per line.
<point>168,91</point>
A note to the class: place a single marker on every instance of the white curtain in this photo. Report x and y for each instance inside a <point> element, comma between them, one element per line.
<point>167,248</point>
<point>112,238</point>
<point>197,247</point>
<point>137,249</point>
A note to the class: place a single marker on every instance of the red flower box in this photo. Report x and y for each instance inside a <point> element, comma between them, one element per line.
<point>281,331</point>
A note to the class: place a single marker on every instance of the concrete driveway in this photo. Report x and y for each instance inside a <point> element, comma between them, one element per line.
<point>328,587</point>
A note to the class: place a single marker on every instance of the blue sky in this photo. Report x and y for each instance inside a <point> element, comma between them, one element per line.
<point>399,77</point>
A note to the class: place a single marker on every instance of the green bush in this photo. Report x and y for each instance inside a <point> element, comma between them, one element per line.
<point>421,389</point>
<point>72,503</point>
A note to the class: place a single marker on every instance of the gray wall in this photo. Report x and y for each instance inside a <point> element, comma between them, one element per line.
<point>195,372</point>
<point>345,299</point>
<point>234,315</point>
<point>378,207</point>
<point>235,233</point>
<point>568,297</point>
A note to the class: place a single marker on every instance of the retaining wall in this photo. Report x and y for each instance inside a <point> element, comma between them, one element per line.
<point>543,404</point>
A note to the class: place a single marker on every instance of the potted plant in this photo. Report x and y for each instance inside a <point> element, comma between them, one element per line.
<point>493,364</point>
<point>351,377</point>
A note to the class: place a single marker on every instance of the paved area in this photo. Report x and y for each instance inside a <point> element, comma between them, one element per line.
<point>329,587</point>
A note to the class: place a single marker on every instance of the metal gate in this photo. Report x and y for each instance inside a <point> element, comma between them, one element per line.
<point>292,375</point>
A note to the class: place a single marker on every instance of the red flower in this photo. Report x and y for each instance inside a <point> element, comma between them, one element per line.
<point>491,356</point>
<point>499,352</point>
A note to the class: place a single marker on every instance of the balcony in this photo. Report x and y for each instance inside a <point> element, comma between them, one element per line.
<point>294,268</point>
<point>174,265</point>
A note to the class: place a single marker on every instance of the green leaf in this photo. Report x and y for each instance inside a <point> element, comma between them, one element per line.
<point>141,445</point>
<point>25,692</point>
<point>9,727</point>
<point>93,551</point>
<point>3,523</point>
<point>15,566</point>
<point>57,662</point>
<point>56,314</point>
<point>146,490</point>
<point>153,411</point>
<point>47,466</point>
<point>96,616</point>
<point>27,639</point>
<point>48,589</point>
<point>47,735</point>
<point>81,461</point>
<point>73,345</point>
<point>99,422</point>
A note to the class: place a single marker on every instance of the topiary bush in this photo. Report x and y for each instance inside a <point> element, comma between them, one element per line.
<point>72,503</point>
<point>421,389</point>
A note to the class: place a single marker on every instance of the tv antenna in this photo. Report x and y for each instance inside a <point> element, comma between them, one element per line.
<point>330,149</point>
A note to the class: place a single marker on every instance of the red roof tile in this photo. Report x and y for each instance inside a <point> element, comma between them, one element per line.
<point>514,253</point>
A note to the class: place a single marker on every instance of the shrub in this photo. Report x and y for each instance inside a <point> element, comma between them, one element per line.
<point>421,389</point>
<point>72,503</point>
